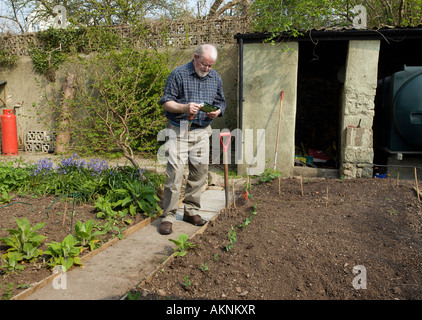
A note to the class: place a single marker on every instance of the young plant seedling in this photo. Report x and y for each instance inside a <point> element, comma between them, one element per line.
<point>187,282</point>
<point>134,296</point>
<point>204,267</point>
<point>248,219</point>
<point>183,245</point>
<point>232,238</point>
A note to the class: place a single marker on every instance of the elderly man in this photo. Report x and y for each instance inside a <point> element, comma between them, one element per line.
<point>187,88</point>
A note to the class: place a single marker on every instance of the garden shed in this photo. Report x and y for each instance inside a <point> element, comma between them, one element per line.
<point>329,80</point>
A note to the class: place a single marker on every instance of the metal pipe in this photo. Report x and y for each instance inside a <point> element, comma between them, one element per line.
<point>240,40</point>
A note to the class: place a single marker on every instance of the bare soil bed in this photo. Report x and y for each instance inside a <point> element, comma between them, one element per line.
<point>305,247</point>
<point>56,213</point>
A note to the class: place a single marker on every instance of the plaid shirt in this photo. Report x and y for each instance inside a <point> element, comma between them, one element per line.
<point>184,86</point>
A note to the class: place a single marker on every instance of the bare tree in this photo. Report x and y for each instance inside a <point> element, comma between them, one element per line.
<point>218,7</point>
<point>13,15</point>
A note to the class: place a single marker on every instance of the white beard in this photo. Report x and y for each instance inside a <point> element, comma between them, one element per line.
<point>200,73</point>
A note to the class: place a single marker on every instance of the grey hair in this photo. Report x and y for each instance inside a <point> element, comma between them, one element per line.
<point>209,48</point>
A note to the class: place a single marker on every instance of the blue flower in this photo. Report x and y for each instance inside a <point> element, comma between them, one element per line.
<point>43,166</point>
<point>96,166</point>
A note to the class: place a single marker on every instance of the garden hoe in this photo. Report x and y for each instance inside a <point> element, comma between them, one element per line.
<point>226,163</point>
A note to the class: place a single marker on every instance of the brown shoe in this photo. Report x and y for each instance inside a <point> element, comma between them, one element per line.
<point>196,220</point>
<point>165,227</point>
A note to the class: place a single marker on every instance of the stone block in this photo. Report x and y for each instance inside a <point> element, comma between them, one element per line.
<point>358,137</point>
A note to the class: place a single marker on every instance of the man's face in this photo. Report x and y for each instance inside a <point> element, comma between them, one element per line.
<point>202,65</point>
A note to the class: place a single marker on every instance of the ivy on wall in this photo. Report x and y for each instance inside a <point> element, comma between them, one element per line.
<point>7,59</point>
<point>54,46</point>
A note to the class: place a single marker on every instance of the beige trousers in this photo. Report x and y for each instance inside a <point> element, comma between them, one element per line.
<point>186,147</point>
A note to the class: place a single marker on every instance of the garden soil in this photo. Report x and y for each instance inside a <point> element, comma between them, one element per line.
<point>108,272</point>
<point>339,239</point>
<point>345,240</point>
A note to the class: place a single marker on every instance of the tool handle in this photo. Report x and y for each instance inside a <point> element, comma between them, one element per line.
<point>225,145</point>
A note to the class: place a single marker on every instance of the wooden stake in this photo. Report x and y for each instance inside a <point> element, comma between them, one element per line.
<point>64,215</point>
<point>234,198</point>
<point>301,185</point>
<point>417,187</point>
<point>326,200</point>
<point>397,181</point>
<point>279,188</point>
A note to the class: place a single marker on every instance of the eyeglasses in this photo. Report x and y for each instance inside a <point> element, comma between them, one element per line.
<point>204,65</point>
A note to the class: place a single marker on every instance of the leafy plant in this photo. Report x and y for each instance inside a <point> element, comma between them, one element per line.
<point>7,59</point>
<point>116,104</point>
<point>9,288</point>
<point>232,238</point>
<point>183,245</point>
<point>187,282</point>
<point>130,197</point>
<point>83,233</point>
<point>119,232</point>
<point>25,240</point>
<point>11,261</point>
<point>135,197</point>
<point>5,197</point>
<point>64,253</point>
<point>134,296</point>
<point>204,267</point>
<point>392,212</point>
<point>248,219</point>
<point>13,176</point>
<point>269,175</point>
<point>31,252</point>
<point>104,208</point>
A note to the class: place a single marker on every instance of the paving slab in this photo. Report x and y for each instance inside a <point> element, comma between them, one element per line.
<point>112,272</point>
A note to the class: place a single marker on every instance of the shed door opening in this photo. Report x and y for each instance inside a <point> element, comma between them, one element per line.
<point>319,91</point>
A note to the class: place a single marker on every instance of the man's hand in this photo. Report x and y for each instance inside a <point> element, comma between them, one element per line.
<point>173,106</point>
<point>214,114</point>
<point>193,108</point>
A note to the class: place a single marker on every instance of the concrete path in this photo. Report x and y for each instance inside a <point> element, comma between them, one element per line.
<point>119,268</point>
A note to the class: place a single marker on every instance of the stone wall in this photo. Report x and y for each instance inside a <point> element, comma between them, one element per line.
<point>358,109</point>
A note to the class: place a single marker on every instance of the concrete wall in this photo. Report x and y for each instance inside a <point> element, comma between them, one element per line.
<point>24,84</point>
<point>269,69</point>
<point>358,107</point>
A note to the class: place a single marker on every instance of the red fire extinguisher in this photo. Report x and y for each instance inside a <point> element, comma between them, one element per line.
<point>9,133</point>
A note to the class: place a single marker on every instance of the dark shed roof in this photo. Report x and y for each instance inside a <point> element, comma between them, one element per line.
<point>339,34</point>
